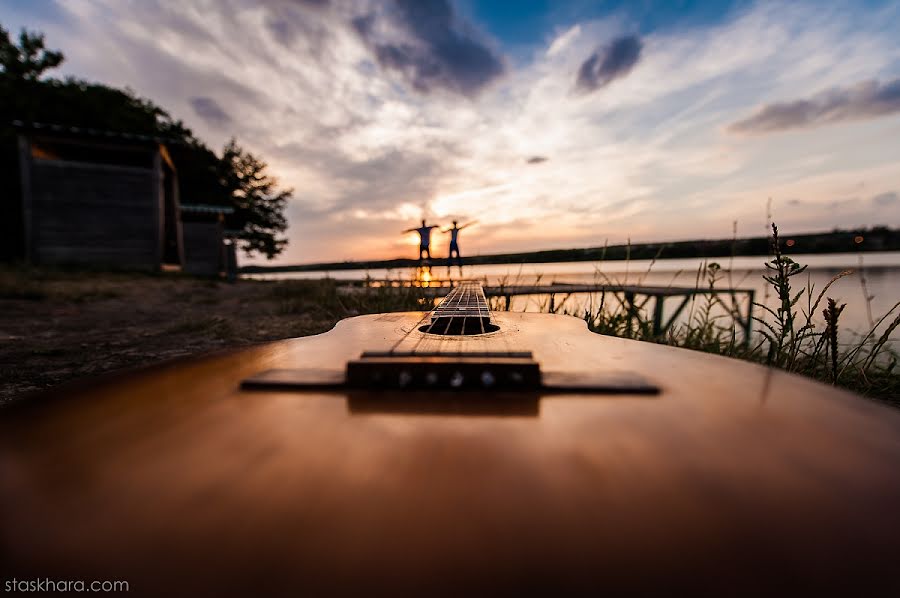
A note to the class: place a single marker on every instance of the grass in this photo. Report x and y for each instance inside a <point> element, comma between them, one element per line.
<point>154,314</point>
<point>215,326</point>
<point>787,336</point>
<point>329,300</point>
<point>20,282</point>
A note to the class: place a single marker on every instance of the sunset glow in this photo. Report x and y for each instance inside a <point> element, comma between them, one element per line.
<point>576,126</point>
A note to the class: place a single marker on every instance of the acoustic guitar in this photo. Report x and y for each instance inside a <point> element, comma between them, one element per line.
<point>455,452</point>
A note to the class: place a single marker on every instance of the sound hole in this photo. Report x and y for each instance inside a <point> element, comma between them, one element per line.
<point>457,326</point>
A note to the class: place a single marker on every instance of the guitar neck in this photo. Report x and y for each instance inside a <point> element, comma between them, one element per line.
<point>466,300</point>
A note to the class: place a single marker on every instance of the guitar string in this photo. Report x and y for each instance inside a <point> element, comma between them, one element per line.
<point>467,295</point>
<point>417,325</point>
<point>462,299</point>
<point>453,307</point>
<point>443,305</point>
<point>447,301</point>
<point>482,305</point>
<point>453,304</point>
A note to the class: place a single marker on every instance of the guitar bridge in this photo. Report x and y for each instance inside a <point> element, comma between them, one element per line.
<point>473,371</point>
<point>455,371</point>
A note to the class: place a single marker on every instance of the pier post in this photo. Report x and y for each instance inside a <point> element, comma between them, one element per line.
<point>748,323</point>
<point>630,309</point>
<point>658,315</point>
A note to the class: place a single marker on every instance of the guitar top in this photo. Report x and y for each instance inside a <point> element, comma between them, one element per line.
<point>454,452</point>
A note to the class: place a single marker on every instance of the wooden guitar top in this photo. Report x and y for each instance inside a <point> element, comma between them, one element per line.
<point>733,480</point>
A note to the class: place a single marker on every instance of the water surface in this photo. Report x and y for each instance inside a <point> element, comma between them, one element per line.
<point>874,274</point>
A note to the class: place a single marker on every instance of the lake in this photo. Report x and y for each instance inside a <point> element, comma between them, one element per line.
<point>879,272</point>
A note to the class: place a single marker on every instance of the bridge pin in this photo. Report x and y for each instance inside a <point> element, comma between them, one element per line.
<point>405,378</point>
<point>487,379</point>
<point>431,378</point>
<point>456,379</point>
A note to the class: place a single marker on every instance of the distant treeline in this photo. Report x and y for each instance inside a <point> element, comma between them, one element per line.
<point>879,238</point>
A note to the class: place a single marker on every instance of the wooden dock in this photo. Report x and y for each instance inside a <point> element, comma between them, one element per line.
<point>632,297</point>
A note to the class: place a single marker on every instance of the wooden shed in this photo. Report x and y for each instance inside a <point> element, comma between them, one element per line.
<point>203,227</point>
<point>98,198</point>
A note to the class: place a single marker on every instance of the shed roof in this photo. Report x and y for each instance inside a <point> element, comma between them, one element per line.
<point>204,208</point>
<point>91,133</point>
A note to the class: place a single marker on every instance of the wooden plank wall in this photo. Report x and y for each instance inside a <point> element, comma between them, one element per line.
<point>25,193</point>
<point>203,248</point>
<point>93,213</point>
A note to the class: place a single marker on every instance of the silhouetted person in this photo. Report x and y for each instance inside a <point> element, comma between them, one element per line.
<point>454,242</point>
<point>424,239</point>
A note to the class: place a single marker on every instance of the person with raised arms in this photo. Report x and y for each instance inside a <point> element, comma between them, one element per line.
<point>454,242</point>
<point>424,239</point>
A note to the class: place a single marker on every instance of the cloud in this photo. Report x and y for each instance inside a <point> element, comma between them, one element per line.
<point>425,42</point>
<point>209,110</point>
<point>288,21</point>
<point>867,99</point>
<point>563,41</point>
<point>536,159</point>
<point>305,90</point>
<point>886,199</point>
<point>609,63</point>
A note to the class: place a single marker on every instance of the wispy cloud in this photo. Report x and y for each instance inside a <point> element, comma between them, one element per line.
<point>867,99</point>
<point>609,63</point>
<point>209,110</point>
<point>562,41</point>
<point>886,199</point>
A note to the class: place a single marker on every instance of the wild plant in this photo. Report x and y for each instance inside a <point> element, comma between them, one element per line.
<point>780,270</point>
<point>832,314</point>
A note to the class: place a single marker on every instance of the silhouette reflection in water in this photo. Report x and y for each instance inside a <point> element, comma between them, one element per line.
<point>423,275</point>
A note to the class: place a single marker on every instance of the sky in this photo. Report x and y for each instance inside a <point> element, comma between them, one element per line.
<point>553,124</point>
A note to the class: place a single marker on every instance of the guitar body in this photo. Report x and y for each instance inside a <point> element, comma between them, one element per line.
<point>734,479</point>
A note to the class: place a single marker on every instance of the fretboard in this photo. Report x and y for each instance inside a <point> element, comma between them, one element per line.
<point>466,300</point>
<point>464,311</point>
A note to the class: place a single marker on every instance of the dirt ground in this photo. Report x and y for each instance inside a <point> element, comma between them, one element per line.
<point>58,326</point>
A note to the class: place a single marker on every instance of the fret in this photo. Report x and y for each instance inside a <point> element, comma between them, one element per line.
<point>465,300</point>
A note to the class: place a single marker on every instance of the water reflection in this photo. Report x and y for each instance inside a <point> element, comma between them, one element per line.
<point>881,274</point>
<point>423,276</point>
<point>427,276</point>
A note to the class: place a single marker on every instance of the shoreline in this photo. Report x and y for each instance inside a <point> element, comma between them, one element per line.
<point>872,240</point>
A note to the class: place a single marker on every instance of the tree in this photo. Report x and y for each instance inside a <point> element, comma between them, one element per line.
<point>237,178</point>
<point>20,69</point>
<point>29,59</point>
<point>258,203</point>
